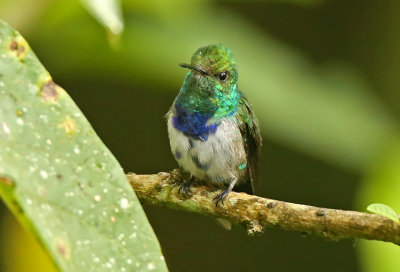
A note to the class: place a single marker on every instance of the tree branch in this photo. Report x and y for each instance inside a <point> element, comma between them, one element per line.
<point>257,212</point>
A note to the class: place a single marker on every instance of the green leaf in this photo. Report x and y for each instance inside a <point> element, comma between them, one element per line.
<point>383,210</point>
<point>107,12</point>
<point>59,179</point>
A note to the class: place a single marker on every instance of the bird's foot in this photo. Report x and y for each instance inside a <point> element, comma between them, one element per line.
<point>184,189</point>
<point>221,196</point>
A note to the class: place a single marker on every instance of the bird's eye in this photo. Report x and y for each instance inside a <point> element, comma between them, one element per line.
<point>222,76</point>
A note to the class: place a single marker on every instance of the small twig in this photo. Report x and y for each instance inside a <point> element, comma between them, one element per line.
<point>257,212</point>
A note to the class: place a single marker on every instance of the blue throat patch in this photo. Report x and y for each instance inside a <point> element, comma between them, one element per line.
<point>193,124</point>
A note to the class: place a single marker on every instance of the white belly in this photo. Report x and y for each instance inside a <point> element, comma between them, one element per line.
<point>217,160</point>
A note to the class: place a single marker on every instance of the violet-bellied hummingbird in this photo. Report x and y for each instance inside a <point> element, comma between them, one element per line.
<point>213,132</point>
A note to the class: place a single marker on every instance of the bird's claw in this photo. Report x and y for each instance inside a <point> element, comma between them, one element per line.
<point>184,190</point>
<point>221,197</point>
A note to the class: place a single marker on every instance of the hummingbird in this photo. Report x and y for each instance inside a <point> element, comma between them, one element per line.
<point>213,132</point>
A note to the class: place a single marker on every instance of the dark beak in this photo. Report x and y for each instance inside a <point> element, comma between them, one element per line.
<point>197,69</point>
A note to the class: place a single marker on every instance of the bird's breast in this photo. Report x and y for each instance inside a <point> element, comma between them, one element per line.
<point>217,159</point>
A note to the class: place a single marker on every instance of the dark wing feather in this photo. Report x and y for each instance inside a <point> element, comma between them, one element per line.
<point>249,128</point>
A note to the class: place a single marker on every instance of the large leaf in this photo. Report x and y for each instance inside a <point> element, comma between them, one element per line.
<point>59,179</point>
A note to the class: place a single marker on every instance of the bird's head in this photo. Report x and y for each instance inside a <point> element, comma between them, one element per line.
<point>213,69</point>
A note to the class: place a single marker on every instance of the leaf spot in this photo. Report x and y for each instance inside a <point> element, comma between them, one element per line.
<point>6,181</point>
<point>16,47</point>
<point>43,174</point>
<point>69,125</point>
<point>20,121</point>
<point>124,203</point>
<point>5,128</point>
<point>151,266</point>
<point>49,91</point>
<point>41,191</point>
<point>63,249</point>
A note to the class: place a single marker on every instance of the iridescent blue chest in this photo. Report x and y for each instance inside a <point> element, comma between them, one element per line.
<point>193,124</point>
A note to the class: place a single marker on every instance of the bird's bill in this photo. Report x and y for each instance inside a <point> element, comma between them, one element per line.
<point>194,68</point>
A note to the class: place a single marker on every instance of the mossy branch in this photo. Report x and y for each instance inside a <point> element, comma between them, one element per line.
<point>257,212</point>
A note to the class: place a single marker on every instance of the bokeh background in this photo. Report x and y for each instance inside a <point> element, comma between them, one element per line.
<point>322,75</point>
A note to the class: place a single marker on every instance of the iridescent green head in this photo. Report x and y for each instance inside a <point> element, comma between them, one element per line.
<point>211,85</point>
<point>215,63</point>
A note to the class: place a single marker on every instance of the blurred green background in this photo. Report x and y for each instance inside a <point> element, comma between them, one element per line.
<point>323,80</point>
